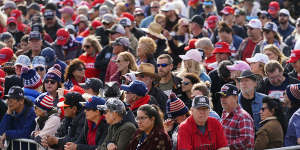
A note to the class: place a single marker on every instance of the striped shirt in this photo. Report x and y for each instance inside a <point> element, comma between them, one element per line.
<point>239,129</point>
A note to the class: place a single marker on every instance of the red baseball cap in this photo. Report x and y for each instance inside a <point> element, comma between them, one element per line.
<point>295,56</point>
<point>221,47</point>
<point>96,24</point>
<point>227,10</point>
<point>273,7</point>
<point>212,21</point>
<point>68,3</point>
<point>94,3</point>
<point>16,13</point>
<point>191,44</point>
<point>62,36</point>
<point>5,55</point>
<point>75,88</point>
<point>11,20</point>
<point>192,2</point>
<point>128,15</point>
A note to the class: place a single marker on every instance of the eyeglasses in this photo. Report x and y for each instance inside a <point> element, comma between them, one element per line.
<point>39,68</point>
<point>185,83</point>
<point>81,69</point>
<point>51,81</point>
<point>263,108</point>
<point>267,31</point>
<point>162,65</point>
<point>87,46</point>
<point>141,118</point>
<point>155,7</point>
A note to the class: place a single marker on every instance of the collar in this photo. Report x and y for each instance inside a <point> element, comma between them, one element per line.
<point>267,119</point>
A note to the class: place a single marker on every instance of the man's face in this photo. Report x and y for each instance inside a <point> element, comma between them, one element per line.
<point>155,9</point>
<point>114,36</point>
<point>130,97</point>
<point>225,37</point>
<point>247,85</point>
<point>163,67</point>
<point>221,56</point>
<point>35,44</point>
<point>194,26</point>
<point>283,19</point>
<point>14,104</point>
<point>200,115</point>
<point>146,79</point>
<point>275,78</point>
<point>228,102</point>
<point>228,18</point>
<point>239,19</point>
<point>12,27</point>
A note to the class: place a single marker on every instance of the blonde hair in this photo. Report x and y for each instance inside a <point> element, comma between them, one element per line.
<point>274,49</point>
<point>204,42</point>
<point>149,45</point>
<point>193,67</point>
<point>84,9</point>
<point>122,6</point>
<point>159,16</point>
<point>94,42</point>
<point>130,58</point>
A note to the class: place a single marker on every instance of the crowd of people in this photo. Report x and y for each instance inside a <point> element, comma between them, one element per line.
<point>149,74</point>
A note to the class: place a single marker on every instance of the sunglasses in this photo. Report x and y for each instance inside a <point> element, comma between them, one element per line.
<point>162,65</point>
<point>87,46</point>
<point>80,69</point>
<point>155,7</point>
<point>263,108</point>
<point>39,68</point>
<point>185,83</point>
<point>51,81</point>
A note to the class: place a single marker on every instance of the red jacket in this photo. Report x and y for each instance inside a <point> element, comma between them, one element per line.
<point>190,137</point>
<point>90,70</point>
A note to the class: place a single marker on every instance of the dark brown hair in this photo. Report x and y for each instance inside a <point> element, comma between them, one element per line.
<point>224,27</point>
<point>75,64</point>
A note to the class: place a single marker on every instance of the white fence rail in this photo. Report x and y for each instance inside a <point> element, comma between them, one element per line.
<point>10,144</point>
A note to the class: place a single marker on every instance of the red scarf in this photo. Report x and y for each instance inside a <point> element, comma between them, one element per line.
<point>140,102</point>
<point>91,137</point>
<point>76,83</point>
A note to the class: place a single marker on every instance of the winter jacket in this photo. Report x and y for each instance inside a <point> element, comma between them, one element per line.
<point>148,99</point>
<point>3,109</point>
<point>146,21</point>
<point>70,129</point>
<point>190,137</point>
<point>119,134</point>
<point>18,125</point>
<point>82,143</point>
<point>293,130</point>
<point>102,60</point>
<point>137,32</point>
<point>270,135</point>
<point>69,51</point>
<point>256,106</point>
<point>160,96</point>
<point>31,94</point>
<point>104,36</point>
<point>52,30</point>
<point>290,41</point>
<point>156,140</point>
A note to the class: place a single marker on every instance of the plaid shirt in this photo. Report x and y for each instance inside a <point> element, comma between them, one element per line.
<point>239,129</point>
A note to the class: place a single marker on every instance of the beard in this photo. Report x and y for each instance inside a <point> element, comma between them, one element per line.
<point>162,74</point>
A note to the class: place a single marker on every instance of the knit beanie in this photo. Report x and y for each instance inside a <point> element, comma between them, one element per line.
<point>293,92</point>
<point>31,79</point>
<point>44,101</point>
<point>54,73</point>
<point>175,107</point>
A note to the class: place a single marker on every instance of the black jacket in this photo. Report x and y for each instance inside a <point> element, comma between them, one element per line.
<point>138,33</point>
<point>3,109</point>
<point>160,49</point>
<point>266,84</point>
<point>160,97</point>
<point>70,129</point>
<point>52,30</point>
<point>102,60</point>
<point>104,36</point>
<point>100,136</point>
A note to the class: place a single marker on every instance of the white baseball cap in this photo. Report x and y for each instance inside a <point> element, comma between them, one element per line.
<point>168,7</point>
<point>254,23</point>
<point>193,54</point>
<point>284,11</point>
<point>258,57</point>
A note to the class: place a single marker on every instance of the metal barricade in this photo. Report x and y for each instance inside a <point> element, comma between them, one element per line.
<point>287,148</point>
<point>29,142</point>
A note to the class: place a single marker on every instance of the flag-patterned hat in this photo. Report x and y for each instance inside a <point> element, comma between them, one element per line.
<point>176,107</point>
<point>44,101</point>
<point>31,79</point>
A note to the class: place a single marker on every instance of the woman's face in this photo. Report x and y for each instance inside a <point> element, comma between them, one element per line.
<point>39,112</point>
<point>9,43</point>
<point>18,69</point>
<point>121,63</point>
<point>271,55</point>
<point>24,45</point>
<point>79,72</point>
<point>269,35</point>
<point>255,67</point>
<point>265,112</point>
<point>162,22</point>
<point>41,71</point>
<point>88,48</point>
<point>188,64</point>
<point>50,85</point>
<point>144,122</point>
<point>186,85</point>
<point>140,50</point>
<point>110,117</point>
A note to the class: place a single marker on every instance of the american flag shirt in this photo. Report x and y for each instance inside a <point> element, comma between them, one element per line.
<point>239,129</point>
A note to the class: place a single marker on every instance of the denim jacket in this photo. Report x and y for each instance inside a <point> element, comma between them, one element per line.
<point>256,106</point>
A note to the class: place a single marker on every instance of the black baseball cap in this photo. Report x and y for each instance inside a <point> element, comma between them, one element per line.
<point>200,101</point>
<point>198,19</point>
<point>71,99</point>
<point>93,83</point>
<point>35,35</point>
<point>15,92</point>
<point>228,90</point>
<point>247,74</point>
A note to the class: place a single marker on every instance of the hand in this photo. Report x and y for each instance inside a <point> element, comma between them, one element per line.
<point>298,141</point>
<point>51,140</point>
<point>2,140</point>
<point>168,124</point>
<point>9,111</point>
<point>111,146</point>
<point>60,93</point>
<point>44,141</point>
<point>70,146</point>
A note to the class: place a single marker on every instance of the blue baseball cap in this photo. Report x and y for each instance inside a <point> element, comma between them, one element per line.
<point>136,87</point>
<point>93,102</point>
<point>49,55</point>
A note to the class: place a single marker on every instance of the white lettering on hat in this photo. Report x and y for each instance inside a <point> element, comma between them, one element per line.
<point>218,46</point>
<point>224,88</point>
<point>234,92</point>
<point>202,100</point>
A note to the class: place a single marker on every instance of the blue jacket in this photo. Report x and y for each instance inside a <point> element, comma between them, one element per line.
<point>146,21</point>
<point>18,125</point>
<point>31,94</point>
<point>256,106</point>
<point>237,40</point>
<point>293,130</point>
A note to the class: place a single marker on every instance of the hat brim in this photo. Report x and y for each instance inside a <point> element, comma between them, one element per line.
<point>292,60</point>
<point>125,88</point>
<point>201,105</point>
<point>232,68</point>
<point>62,104</point>
<point>252,76</point>
<point>155,76</point>
<point>12,97</point>
<point>184,57</point>
<point>160,36</point>
<point>61,42</point>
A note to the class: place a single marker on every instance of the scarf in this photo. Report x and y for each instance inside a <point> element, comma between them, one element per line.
<point>140,102</point>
